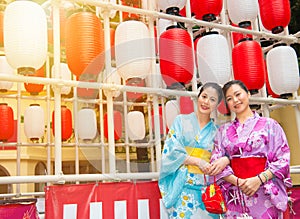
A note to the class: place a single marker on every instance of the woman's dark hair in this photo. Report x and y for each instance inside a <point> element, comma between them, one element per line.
<point>230,83</point>
<point>217,87</point>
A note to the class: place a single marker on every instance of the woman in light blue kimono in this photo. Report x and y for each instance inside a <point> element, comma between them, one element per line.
<point>186,156</point>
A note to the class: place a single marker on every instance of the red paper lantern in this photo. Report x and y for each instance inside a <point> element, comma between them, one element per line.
<point>84,43</point>
<point>237,36</point>
<point>275,15</point>
<point>186,105</point>
<point>6,122</point>
<point>206,10</point>
<point>136,82</point>
<point>117,125</point>
<point>35,89</point>
<point>176,56</point>
<point>248,64</point>
<point>66,123</point>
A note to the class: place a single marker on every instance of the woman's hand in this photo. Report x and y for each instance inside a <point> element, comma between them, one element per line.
<point>250,185</point>
<point>218,166</point>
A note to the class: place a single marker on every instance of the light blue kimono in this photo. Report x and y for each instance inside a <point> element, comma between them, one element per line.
<point>181,189</point>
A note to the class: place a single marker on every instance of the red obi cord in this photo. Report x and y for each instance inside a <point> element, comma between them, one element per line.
<point>248,167</point>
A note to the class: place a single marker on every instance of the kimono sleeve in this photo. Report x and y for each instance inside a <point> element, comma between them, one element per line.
<point>174,152</point>
<point>279,153</point>
<point>219,151</point>
<point>172,173</point>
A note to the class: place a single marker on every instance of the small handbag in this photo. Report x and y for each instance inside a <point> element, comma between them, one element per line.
<point>213,198</point>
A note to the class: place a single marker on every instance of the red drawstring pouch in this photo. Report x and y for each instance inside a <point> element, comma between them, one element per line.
<point>213,199</point>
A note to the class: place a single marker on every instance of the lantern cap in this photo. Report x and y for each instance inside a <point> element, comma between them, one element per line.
<point>5,104</point>
<point>210,32</point>
<point>245,39</point>
<point>26,71</point>
<point>34,104</point>
<point>209,17</point>
<point>253,91</point>
<point>277,29</point>
<point>265,43</point>
<point>177,86</point>
<point>286,95</point>
<point>173,10</point>
<point>279,44</point>
<point>173,26</point>
<point>245,24</point>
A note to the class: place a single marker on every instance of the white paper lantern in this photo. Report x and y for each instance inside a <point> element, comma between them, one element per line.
<point>113,78</point>
<point>172,110</point>
<point>242,10</point>
<point>65,74</point>
<point>165,4</point>
<point>87,124</point>
<point>213,58</point>
<point>136,125</point>
<point>5,68</point>
<point>133,49</point>
<point>283,69</point>
<point>25,36</point>
<point>34,122</point>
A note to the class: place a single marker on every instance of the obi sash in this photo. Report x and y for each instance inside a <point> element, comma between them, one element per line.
<point>248,166</point>
<point>200,153</point>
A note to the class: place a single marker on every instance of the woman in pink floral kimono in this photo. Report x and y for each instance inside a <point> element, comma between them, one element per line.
<point>255,182</point>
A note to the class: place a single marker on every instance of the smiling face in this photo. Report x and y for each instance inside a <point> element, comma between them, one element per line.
<point>237,99</point>
<point>208,100</point>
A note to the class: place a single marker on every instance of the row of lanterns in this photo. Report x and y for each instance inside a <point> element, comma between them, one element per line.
<point>34,123</point>
<point>175,44</point>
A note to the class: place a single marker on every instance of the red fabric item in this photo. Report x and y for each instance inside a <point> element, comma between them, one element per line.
<point>107,194</point>
<point>18,210</point>
<point>248,166</point>
<point>214,200</point>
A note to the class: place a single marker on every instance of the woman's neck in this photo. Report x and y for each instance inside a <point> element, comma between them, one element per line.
<point>244,116</point>
<point>203,119</point>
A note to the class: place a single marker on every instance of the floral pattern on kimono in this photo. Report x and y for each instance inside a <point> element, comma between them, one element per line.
<point>181,190</point>
<point>257,137</point>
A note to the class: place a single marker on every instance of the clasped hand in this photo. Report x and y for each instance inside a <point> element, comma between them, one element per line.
<point>249,186</point>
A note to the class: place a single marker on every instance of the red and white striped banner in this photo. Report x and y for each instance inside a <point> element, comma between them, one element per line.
<point>118,200</point>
